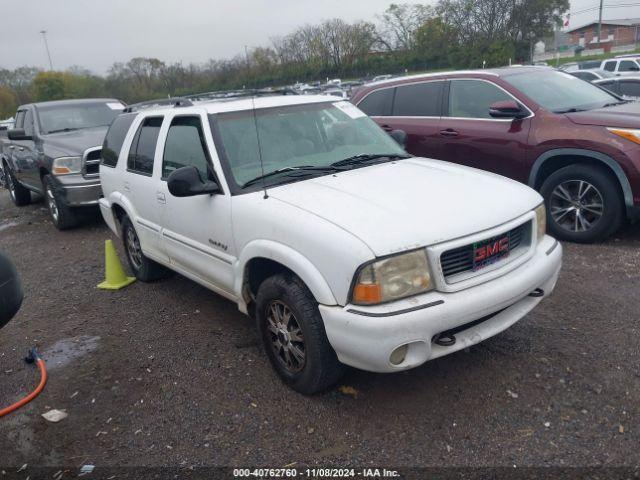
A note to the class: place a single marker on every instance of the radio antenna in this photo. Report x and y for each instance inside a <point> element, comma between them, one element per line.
<point>255,122</point>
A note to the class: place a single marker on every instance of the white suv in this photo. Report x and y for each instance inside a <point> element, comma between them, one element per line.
<point>311,218</point>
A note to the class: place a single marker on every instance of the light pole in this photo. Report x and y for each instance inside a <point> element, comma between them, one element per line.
<point>46,45</point>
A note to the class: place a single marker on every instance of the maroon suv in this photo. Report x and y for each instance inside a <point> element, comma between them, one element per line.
<point>574,142</point>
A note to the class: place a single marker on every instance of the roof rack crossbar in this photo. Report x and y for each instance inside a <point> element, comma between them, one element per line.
<point>249,92</point>
<point>174,101</point>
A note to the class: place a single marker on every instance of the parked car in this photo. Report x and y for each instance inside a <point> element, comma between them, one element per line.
<point>621,66</point>
<point>54,151</point>
<point>626,87</point>
<point>591,75</point>
<point>381,77</point>
<point>576,66</point>
<point>574,142</point>
<point>10,290</point>
<point>345,249</point>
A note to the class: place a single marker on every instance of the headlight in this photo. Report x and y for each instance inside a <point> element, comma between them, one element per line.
<point>628,133</point>
<point>541,221</point>
<point>392,278</point>
<point>67,165</point>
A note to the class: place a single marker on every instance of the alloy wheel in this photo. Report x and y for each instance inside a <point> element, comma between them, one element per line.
<point>133,249</point>
<point>576,205</point>
<point>11,186</point>
<point>53,206</point>
<point>285,334</point>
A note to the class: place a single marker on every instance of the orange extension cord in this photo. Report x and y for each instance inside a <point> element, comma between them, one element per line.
<point>33,356</point>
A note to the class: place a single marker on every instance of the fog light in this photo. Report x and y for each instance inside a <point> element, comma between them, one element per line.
<point>397,356</point>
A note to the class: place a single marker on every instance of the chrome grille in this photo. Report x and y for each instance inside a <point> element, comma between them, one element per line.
<point>91,162</point>
<point>460,259</point>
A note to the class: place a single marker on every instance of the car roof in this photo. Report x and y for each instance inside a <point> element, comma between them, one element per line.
<point>80,101</point>
<point>618,79</point>
<point>239,104</point>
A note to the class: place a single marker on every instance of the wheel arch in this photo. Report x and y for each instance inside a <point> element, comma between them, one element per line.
<point>553,160</point>
<point>263,258</point>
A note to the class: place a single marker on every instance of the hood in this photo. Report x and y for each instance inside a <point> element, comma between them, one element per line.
<point>411,203</point>
<point>74,143</point>
<point>626,115</point>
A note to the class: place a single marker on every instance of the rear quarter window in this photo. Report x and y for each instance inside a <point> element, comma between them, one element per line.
<point>418,100</point>
<point>115,138</point>
<point>378,103</point>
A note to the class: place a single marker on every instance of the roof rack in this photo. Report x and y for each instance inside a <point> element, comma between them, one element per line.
<point>175,102</point>
<point>249,92</point>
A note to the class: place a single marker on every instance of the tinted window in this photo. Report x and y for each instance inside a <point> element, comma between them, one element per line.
<point>418,100</point>
<point>628,66</point>
<point>20,119</point>
<point>185,146</point>
<point>472,98</point>
<point>143,147</point>
<point>608,86</point>
<point>378,103</point>
<point>590,64</point>
<point>610,66</point>
<point>115,138</point>
<point>630,88</point>
<point>588,76</point>
<point>28,123</point>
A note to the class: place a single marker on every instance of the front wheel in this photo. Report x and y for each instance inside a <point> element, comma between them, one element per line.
<point>584,204</point>
<point>293,334</point>
<point>62,216</point>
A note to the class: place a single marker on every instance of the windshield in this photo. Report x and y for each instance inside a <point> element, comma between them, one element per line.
<point>310,135</point>
<point>559,92</point>
<point>61,118</point>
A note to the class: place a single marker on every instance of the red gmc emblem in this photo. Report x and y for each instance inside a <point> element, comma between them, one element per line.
<point>491,249</point>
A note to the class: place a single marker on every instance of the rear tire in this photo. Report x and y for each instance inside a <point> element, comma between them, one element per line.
<point>584,204</point>
<point>20,196</point>
<point>293,335</point>
<point>145,269</point>
<point>63,217</point>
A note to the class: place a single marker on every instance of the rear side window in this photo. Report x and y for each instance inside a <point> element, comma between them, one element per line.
<point>472,98</point>
<point>185,147</point>
<point>630,88</point>
<point>115,138</point>
<point>418,100</point>
<point>628,66</point>
<point>378,103</point>
<point>610,66</point>
<point>143,148</point>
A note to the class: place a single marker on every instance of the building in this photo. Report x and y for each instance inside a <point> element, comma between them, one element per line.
<point>614,33</point>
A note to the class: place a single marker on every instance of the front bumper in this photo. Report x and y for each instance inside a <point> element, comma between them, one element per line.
<point>365,337</point>
<point>77,191</point>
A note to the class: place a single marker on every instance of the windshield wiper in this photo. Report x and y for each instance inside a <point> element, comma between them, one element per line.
<point>367,157</point>
<point>612,104</point>
<point>67,129</point>
<point>309,169</point>
<point>571,110</point>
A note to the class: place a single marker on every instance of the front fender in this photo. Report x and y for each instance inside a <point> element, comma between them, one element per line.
<point>290,258</point>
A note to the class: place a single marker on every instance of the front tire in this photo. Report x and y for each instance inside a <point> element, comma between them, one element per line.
<point>145,269</point>
<point>584,204</point>
<point>62,216</point>
<point>293,335</point>
<point>20,196</point>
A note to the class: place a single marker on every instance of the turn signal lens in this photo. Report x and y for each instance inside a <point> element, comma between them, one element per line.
<point>66,165</point>
<point>541,221</point>
<point>628,133</point>
<point>392,278</point>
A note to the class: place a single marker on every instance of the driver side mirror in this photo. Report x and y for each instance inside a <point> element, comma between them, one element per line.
<point>400,136</point>
<point>10,291</point>
<point>18,134</point>
<point>507,109</point>
<point>186,182</point>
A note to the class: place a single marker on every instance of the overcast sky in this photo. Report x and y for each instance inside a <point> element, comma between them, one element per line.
<point>96,33</point>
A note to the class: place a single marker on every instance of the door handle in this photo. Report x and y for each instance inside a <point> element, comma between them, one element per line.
<point>11,147</point>
<point>449,132</point>
<point>21,149</point>
<point>387,128</point>
<point>160,197</point>
<point>127,187</point>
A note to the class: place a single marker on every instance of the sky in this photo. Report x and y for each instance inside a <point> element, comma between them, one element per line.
<point>96,33</point>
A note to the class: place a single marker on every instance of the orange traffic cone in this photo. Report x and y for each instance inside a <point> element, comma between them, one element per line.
<point>114,273</point>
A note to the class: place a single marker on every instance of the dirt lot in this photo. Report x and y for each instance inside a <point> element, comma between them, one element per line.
<point>170,374</point>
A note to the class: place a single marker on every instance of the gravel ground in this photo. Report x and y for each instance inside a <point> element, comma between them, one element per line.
<point>170,374</point>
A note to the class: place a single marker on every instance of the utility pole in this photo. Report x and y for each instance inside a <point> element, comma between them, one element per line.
<point>46,45</point>
<point>600,24</point>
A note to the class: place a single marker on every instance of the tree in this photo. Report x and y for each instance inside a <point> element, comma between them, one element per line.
<point>8,103</point>
<point>399,23</point>
<point>49,86</point>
